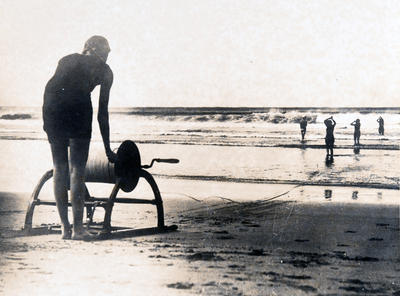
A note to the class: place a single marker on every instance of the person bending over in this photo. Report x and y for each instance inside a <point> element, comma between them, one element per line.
<point>67,120</point>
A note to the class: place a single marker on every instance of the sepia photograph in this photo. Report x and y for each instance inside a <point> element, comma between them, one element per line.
<point>179,147</point>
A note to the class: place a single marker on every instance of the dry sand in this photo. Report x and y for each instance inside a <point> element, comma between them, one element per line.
<point>233,239</point>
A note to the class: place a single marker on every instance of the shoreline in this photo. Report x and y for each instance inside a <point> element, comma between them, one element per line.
<point>26,161</point>
<point>389,147</point>
<point>276,181</point>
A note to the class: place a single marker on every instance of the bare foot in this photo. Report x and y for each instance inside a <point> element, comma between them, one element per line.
<point>83,235</point>
<point>66,232</point>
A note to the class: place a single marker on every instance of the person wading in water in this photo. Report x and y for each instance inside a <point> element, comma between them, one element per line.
<point>303,127</point>
<point>330,124</point>
<point>381,129</point>
<point>357,133</point>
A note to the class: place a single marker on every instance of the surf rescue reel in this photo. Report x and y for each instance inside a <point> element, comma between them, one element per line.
<point>124,174</point>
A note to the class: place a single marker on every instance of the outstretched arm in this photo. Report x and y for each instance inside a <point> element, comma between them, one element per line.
<point>334,122</point>
<point>102,115</point>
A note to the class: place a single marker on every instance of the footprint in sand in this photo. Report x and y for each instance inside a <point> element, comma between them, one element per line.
<point>210,284</point>
<point>158,257</point>
<point>250,224</point>
<point>221,232</point>
<point>225,237</point>
<point>257,252</point>
<point>382,224</point>
<point>14,258</point>
<point>180,285</point>
<point>23,264</point>
<point>226,283</point>
<point>301,240</point>
<point>376,239</point>
<point>204,256</point>
<point>361,290</point>
<point>350,231</point>
<point>235,266</point>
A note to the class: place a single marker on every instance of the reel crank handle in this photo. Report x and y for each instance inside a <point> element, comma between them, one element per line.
<point>166,160</point>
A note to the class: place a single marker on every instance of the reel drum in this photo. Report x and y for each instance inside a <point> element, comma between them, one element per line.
<point>127,167</point>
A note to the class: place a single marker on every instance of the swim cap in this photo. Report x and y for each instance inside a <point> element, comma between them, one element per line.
<point>97,44</point>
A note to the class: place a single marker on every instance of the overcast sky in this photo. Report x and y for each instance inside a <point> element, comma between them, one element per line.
<point>211,53</point>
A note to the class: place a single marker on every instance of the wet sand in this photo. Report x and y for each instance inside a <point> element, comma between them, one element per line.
<point>233,239</point>
<point>24,162</point>
<point>248,236</point>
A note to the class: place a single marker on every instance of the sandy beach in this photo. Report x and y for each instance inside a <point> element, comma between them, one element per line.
<point>233,238</point>
<point>225,245</point>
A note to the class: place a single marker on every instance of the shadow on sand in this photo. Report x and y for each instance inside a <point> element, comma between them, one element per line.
<point>116,233</point>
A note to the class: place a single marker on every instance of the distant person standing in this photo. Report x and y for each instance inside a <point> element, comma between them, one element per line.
<point>330,124</point>
<point>356,123</point>
<point>381,128</point>
<point>303,127</point>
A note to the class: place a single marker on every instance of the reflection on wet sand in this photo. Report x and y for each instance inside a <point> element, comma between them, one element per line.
<point>329,161</point>
<point>328,193</point>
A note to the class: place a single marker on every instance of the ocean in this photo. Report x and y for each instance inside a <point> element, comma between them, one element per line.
<point>252,145</point>
<point>254,127</point>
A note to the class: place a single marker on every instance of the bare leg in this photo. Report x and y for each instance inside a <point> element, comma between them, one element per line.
<point>59,151</point>
<point>79,149</point>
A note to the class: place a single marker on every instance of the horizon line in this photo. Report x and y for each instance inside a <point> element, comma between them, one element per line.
<point>222,107</point>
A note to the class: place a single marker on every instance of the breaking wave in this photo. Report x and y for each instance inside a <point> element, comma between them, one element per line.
<point>277,118</point>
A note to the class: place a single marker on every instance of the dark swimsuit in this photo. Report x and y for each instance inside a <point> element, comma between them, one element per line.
<point>329,138</point>
<point>303,125</point>
<point>357,132</point>
<point>381,126</point>
<point>67,107</point>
